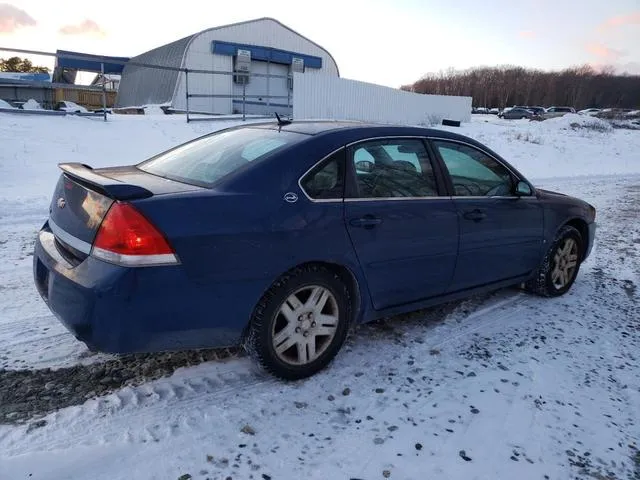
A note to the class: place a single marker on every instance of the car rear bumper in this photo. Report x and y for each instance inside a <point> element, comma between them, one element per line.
<point>116,309</point>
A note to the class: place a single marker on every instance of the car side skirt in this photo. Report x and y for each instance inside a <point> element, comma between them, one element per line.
<point>371,315</point>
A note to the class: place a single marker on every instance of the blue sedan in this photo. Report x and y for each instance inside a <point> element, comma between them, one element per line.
<point>281,236</point>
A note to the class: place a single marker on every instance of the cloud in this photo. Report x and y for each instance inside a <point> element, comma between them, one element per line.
<point>527,34</point>
<point>604,52</point>
<point>86,27</point>
<point>13,18</point>
<point>632,18</point>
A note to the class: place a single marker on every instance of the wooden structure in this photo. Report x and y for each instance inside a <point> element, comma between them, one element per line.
<point>90,99</point>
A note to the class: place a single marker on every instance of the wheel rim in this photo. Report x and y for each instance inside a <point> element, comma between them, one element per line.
<point>305,325</point>
<point>565,263</point>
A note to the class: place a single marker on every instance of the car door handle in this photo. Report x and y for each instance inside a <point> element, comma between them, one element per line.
<point>368,221</point>
<point>475,215</point>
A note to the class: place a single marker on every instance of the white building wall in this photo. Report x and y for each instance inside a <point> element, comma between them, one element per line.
<point>264,33</point>
<point>328,97</point>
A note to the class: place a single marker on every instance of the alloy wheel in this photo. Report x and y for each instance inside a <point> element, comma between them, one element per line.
<point>565,262</point>
<point>305,325</point>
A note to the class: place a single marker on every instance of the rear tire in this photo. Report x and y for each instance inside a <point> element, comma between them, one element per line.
<point>300,324</point>
<point>560,266</point>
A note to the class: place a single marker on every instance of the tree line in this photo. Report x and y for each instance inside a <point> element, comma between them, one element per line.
<point>21,65</point>
<point>579,87</point>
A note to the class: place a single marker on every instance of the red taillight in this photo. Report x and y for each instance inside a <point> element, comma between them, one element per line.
<point>126,237</point>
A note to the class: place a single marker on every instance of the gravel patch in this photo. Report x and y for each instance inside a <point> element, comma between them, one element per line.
<point>25,394</point>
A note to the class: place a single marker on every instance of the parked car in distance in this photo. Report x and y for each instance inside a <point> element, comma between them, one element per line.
<point>516,113</point>
<point>494,111</point>
<point>552,112</point>
<point>589,111</point>
<point>537,110</point>
<point>560,110</point>
<point>70,107</point>
<point>283,236</point>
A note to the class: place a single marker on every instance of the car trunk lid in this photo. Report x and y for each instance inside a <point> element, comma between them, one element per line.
<point>83,196</point>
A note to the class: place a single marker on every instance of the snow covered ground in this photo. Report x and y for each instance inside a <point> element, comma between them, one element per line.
<point>502,386</point>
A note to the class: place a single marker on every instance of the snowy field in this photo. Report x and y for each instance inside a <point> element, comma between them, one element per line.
<point>503,386</point>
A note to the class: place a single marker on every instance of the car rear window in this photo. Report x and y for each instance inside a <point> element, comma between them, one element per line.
<point>206,160</point>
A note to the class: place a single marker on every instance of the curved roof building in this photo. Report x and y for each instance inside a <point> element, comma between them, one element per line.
<point>243,53</point>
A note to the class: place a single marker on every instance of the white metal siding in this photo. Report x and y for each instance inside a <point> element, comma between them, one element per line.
<point>205,83</point>
<point>328,97</point>
<point>266,33</point>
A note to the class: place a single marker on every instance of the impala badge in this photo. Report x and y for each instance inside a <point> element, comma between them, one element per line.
<point>290,197</point>
<point>61,202</point>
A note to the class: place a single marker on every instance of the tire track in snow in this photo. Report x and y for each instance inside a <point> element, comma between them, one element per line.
<point>124,411</point>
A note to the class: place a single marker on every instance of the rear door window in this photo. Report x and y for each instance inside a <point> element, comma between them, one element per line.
<point>326,181</point>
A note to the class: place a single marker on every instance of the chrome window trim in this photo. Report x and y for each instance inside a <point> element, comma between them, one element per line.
<point>327,200</point>
<point>75,242</point>
<point>496,197</point>
<point>488,197</point>
<point>416,137</point>
<point>375,199</point>
<point>320,200</point>
<point>437,197</point>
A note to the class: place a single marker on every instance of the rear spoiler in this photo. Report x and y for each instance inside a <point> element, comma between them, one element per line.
<point>87,176</point>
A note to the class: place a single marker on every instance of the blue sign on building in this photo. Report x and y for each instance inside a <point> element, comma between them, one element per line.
<point>265,54</point>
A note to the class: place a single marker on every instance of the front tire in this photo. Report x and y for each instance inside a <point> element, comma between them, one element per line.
<point>560,266</point>
<point>300,324</point>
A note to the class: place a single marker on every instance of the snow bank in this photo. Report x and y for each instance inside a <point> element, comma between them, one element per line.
<point>4,104</point>
<point>462,391</point>
<point>573,121</point>
<point>153,110</point>
<point>553,149</point>
<point>31,104</point>
<point>32,147</point>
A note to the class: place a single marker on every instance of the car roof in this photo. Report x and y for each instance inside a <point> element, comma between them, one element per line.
<point>313,127</point>
<point>319,127</point>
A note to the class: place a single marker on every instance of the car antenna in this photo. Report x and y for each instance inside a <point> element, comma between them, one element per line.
<point>282,122</point>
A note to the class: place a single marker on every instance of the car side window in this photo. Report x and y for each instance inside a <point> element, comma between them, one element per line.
<point>393,168</point>
<point>326,181</point>
<point>473,172</point>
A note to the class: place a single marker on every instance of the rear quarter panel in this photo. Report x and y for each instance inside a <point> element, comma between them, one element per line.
<point>233,246</point>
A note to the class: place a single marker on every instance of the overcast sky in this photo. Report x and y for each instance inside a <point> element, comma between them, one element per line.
<point>391,42</point>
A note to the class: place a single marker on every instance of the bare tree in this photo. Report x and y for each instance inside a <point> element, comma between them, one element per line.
<point>507,85</point>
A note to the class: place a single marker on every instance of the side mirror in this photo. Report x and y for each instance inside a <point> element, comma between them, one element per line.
<point>364,166</point>
<point>523,189</point>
